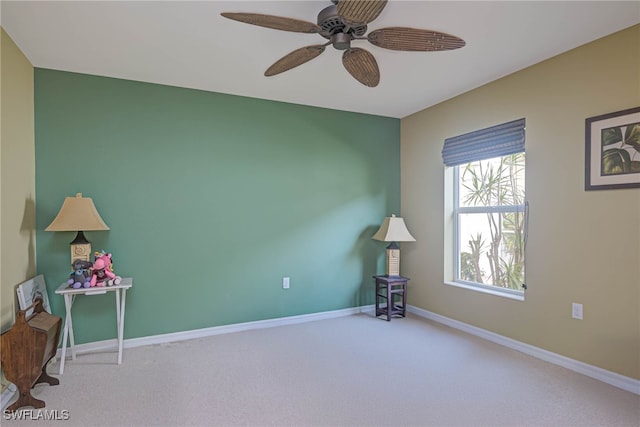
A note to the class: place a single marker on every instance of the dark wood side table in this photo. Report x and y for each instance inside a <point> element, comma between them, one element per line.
<point>393,290</point>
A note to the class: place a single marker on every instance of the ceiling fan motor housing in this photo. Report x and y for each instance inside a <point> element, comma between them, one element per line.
<point>341,41</point>
<point>333,28</point>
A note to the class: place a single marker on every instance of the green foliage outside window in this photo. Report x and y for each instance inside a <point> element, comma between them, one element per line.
<point>494,252</point>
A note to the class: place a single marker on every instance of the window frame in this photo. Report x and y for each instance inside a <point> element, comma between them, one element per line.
<point>456,212</point>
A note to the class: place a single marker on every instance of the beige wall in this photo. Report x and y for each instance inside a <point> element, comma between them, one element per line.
<point>17,176</point>
<point>583,246</point>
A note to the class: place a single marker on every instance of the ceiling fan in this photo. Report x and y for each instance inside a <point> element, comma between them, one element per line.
<point>341,23</point>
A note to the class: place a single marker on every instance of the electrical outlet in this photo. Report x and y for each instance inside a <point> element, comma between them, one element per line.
<point>285,283</point>
<point>576,310</point>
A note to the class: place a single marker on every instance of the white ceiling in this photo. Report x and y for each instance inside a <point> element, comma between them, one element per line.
<point>188,44</point>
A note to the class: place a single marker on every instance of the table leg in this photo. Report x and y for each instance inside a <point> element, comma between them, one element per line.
<point>118,323</point>
<point>121,325</point>
<point>72,339</point>
<point>66,333</point>
<point>377,299</point>
<point>404,299</point>
<point>63,356</point>
<point>389,302</point>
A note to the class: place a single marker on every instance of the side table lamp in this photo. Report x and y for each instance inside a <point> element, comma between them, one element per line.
<point>78,214</point>
<point>393,230</point>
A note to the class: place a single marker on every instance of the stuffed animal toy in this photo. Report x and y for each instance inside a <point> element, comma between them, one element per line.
<point>80,277</point>
<point>103,274</point>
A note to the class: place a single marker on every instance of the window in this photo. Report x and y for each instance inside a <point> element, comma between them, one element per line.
<point>488,217</point>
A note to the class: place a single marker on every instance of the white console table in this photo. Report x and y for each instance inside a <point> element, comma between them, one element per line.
<point>70,294</point>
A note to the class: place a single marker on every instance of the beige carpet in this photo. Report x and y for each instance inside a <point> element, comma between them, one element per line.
<point>349,371</point>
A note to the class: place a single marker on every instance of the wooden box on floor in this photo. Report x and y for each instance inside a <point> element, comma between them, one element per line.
<point>26,349</point>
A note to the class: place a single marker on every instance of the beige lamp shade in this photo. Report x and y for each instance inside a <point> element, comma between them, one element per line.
<point>78,214</point>
<point>393,229</point>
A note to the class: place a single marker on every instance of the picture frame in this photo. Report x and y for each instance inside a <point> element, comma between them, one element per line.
<point>612,150</point>
<point>28,291</point>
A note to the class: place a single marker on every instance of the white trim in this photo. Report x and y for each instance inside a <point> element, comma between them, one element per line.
<point>499,292</point>
<point>626,383</point>
<point>112,344</point>
<point>617,380</point>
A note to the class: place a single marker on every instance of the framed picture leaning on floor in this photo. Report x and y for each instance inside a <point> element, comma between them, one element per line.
<point>29,290</point>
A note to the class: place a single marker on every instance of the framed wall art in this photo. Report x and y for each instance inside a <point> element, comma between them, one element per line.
<point>612,150</point>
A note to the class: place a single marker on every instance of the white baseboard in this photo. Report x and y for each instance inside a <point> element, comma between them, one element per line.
<point>612,378</point>
<point>112,344</point>
<point>109,345</point>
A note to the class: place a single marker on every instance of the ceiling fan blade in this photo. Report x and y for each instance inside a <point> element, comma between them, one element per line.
<point>275,22</point>
<point>360,11</point>
<point>411,39</point>
<point>362,66</point>
<point>295,58</point>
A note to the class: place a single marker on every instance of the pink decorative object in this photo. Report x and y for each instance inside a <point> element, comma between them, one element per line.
<point>103,274</point>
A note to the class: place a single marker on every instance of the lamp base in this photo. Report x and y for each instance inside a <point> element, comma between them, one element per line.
<point>80,248</point>
<point>393,260</point>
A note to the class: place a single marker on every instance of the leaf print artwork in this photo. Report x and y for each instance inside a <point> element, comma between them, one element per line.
<point>621,150</point>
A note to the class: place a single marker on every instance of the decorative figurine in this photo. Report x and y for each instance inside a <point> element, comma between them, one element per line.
<point>80,277</point>
<point>103,274</point>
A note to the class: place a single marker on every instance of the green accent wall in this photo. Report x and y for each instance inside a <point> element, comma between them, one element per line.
<point>211,200</point>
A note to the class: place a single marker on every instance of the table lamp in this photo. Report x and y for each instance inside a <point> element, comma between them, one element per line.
<point>78,214</point>
<point>393,230</point>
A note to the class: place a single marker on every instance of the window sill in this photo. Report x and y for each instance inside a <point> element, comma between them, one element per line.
<point>517,297</point>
